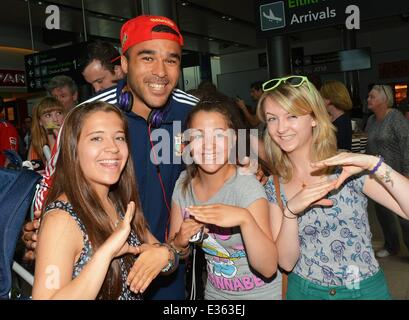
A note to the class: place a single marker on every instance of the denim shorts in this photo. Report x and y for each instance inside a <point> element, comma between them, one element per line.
<point>372,288</point>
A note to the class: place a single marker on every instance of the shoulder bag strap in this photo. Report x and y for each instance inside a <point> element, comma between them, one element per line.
<point>280,204</point>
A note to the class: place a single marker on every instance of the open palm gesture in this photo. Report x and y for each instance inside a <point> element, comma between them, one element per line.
<point>117,242</point>
<point>352,163</point>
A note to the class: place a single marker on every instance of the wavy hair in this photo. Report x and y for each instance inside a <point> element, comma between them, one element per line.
<point>69,179</point>
<point>299,101</point>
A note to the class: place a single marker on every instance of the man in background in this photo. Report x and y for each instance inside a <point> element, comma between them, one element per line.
<point>251,115</point>
<point>101,66</point>
<point>64,89</point>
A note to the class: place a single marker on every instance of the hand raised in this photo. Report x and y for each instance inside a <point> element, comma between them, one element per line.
<point>240,103</point>
<point>352,163</point>
<point>311,195</point>
<point>219,214</point>
<point>117,243</point>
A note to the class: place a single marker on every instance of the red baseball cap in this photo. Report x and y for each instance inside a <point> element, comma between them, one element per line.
<point>140,29</point>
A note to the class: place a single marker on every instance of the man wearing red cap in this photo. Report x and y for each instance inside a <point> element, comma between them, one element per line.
<point>151,58</point>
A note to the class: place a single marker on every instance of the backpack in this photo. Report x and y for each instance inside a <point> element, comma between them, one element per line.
<point>17,188</point>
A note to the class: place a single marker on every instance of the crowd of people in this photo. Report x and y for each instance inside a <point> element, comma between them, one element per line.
<point>154,176</point>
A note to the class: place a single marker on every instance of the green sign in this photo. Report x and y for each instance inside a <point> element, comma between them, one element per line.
<point>286,16</point>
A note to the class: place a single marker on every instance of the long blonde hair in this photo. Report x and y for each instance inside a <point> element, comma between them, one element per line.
<point>300,100</point>
<point>38,133</point>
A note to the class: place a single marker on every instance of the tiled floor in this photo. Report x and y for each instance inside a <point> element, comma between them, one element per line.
<point>396,268</point>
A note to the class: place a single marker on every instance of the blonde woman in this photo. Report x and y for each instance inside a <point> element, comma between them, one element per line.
<point>325,236</point>
<point>48,116</point>
<point>338,102</point>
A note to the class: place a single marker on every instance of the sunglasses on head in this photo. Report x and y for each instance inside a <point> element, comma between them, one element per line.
<point>294,81</point>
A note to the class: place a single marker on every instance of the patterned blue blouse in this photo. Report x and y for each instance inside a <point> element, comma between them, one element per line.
<point>335,242</point>
<point>86,252</point>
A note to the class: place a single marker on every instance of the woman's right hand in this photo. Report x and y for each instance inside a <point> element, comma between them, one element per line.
<point>311,195</point>
<point>117,244</point>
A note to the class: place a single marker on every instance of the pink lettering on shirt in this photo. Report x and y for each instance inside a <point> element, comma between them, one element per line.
<point>245,283</point>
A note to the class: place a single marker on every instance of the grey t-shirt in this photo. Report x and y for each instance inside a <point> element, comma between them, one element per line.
<point>229,274</point>
<point>390,138</point>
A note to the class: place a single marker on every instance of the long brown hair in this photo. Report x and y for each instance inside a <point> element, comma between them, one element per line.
<point>69,180</point>
<point>38,133</point>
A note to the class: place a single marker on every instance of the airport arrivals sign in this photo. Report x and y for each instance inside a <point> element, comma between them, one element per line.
<point>286,16</point>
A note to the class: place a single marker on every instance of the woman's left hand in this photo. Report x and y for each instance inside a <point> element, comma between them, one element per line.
<point>352,163</point>
<point>219,214</point>
<point>152,259</point>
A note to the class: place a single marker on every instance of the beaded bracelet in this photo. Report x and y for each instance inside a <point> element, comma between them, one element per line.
<point>295,216</point>
<point>377,165</point>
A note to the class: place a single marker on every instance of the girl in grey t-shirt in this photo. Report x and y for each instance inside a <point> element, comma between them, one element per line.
<point>240,253</point>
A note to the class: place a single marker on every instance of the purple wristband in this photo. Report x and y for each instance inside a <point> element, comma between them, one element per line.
<point>377,165</point>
